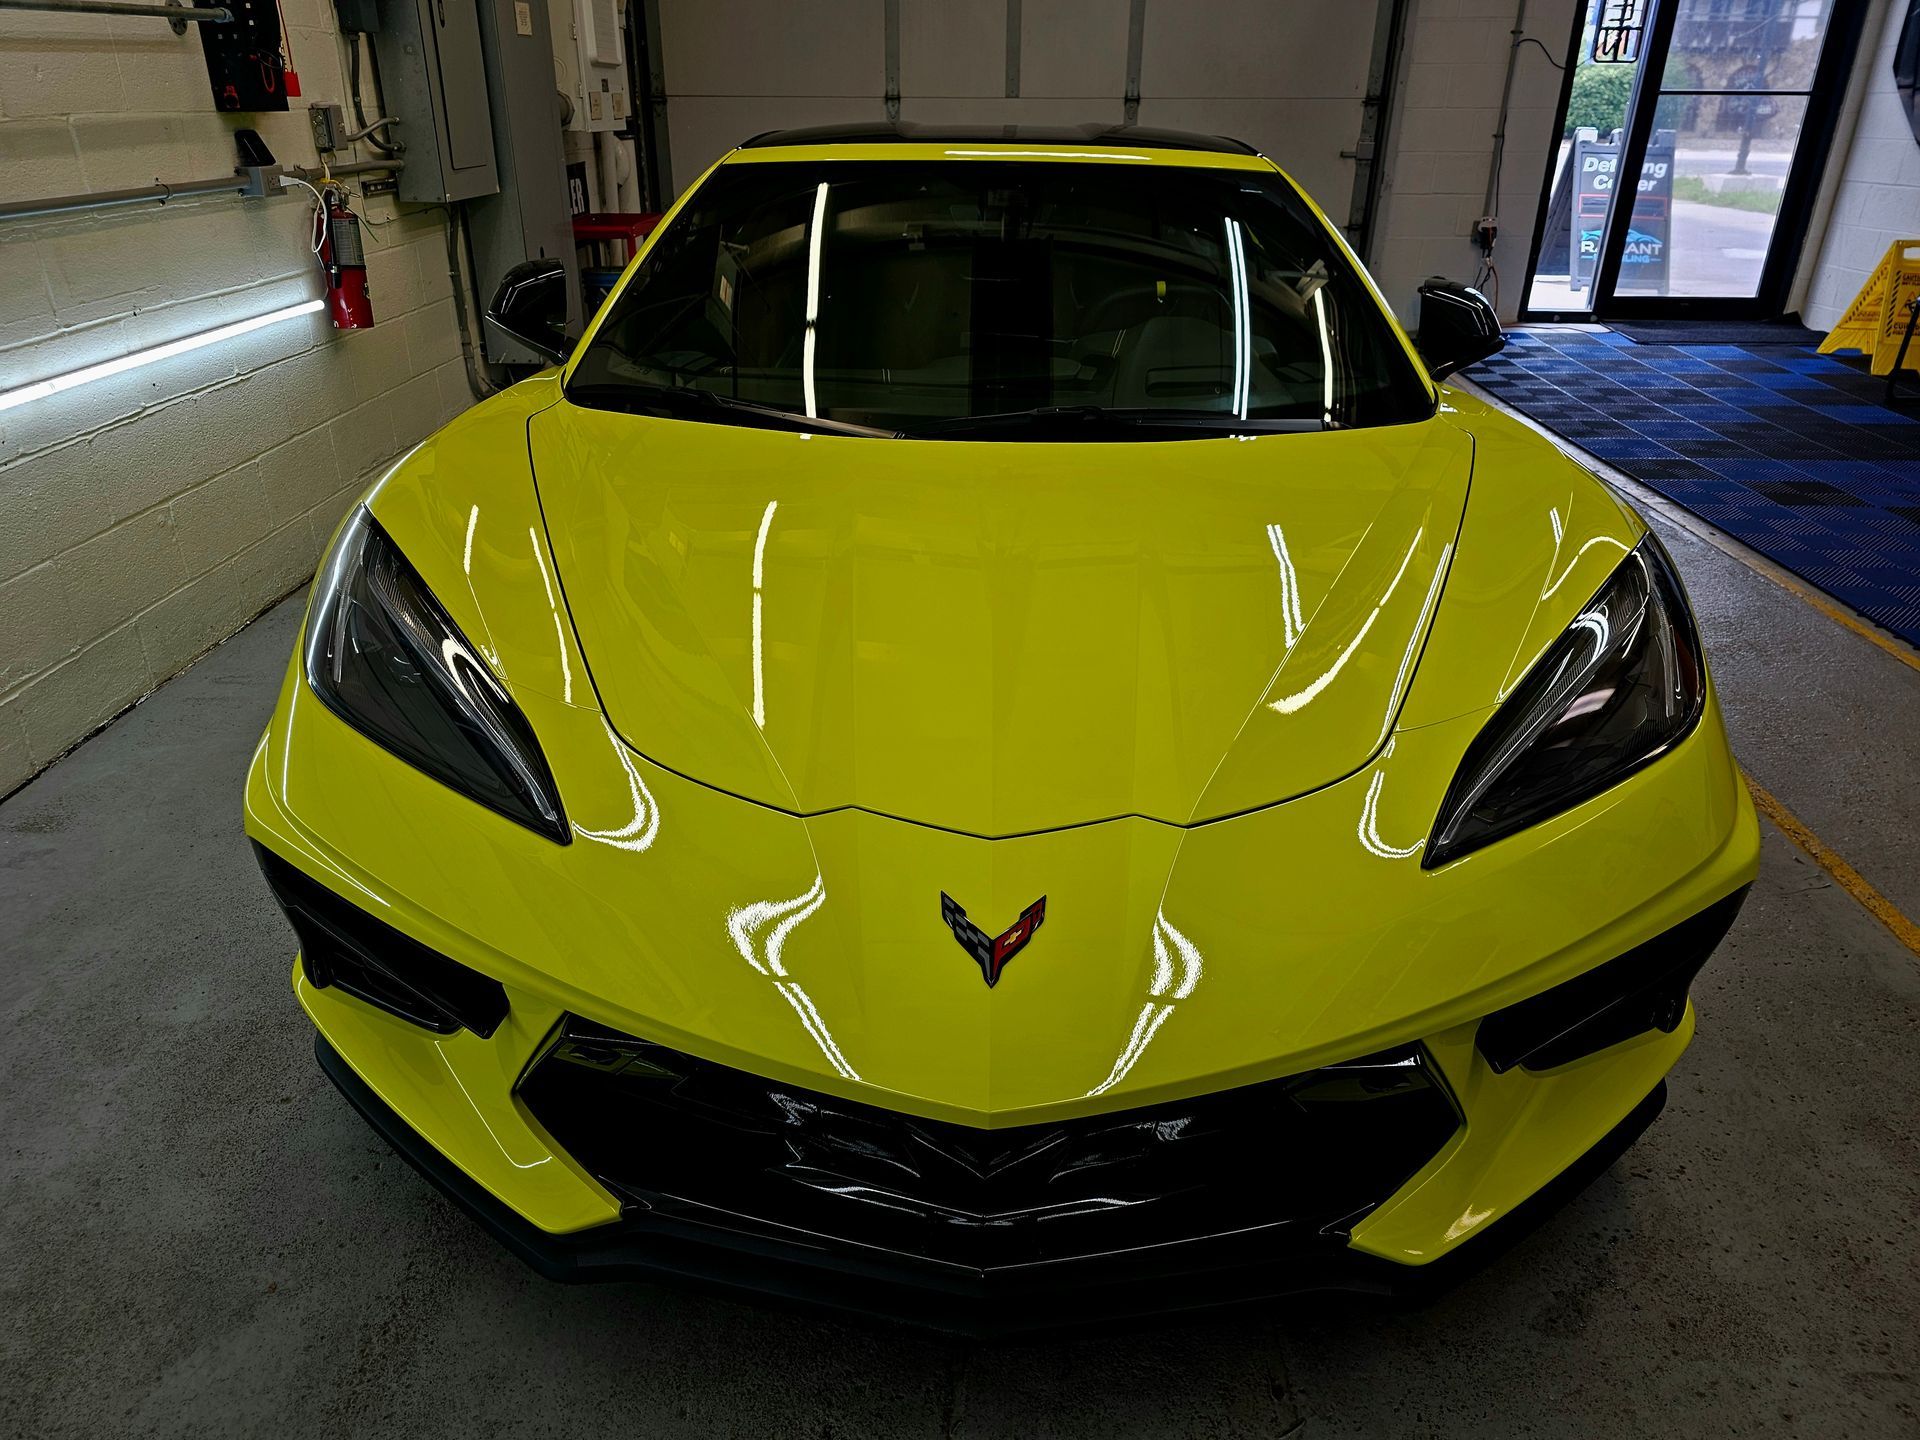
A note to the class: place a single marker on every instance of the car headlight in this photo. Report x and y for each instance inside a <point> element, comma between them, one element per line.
<point>1622,686</point>
<point>386,658</point>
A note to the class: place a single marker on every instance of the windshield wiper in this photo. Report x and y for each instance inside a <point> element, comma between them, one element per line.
<point>1073,422</point>
<point>692,402</point>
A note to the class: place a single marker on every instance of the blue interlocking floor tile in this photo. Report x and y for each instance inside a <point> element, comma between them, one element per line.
<point>1788,450</point>
<point>1862,415</point>
<point>1670,431</point>
<point>1618,448</point>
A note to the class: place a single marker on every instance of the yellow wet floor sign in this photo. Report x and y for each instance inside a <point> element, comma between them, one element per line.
<point>1878,317</point>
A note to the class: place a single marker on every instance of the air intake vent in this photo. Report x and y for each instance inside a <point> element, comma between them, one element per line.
<point>343,946</point>
<point>1644,989</point>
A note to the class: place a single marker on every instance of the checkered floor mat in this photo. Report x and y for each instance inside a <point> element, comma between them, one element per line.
<point>1787,450</point>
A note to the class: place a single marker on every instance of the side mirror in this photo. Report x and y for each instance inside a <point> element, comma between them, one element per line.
<point>530,306</point>
<point>1457,327</point>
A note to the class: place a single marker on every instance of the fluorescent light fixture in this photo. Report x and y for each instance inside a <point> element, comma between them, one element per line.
<point>73,379</point>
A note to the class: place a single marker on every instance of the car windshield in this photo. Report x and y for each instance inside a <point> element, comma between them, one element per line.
<point>1000,299</point>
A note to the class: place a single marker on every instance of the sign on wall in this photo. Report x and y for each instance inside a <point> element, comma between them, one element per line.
<point>1643,264</point>
<point>1617,35</point>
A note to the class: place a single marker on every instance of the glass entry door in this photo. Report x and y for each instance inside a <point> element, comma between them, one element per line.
<point>1727,125</point>
<point>1580,185</point>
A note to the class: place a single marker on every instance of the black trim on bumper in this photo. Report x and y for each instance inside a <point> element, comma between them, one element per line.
<point>656,1248</point>
<point>1644,989</point>
<point>1275,1166</point>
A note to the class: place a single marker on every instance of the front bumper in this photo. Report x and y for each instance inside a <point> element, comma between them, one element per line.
<point>699,1164</point>
<point>724,1256</point>
<point>647,924</point>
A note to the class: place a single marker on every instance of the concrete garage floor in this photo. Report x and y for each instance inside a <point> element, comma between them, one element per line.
<point>200,1237</point>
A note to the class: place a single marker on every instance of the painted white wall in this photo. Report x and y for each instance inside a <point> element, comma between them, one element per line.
<point>146,517</point>
<point>1878,197</point>
<point>1440,139</point>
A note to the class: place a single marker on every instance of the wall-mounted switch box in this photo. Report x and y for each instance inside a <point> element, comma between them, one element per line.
<point>434,79</point>
<point>329,127</point>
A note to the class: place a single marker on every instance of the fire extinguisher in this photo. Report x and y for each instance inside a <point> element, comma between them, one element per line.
<point>337,244</point>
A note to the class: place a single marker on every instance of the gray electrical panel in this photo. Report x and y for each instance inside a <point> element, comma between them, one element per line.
<point>433,77</point>
<point>529,218</point>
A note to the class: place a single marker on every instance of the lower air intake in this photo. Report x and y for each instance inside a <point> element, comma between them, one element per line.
<point>342,945</point>
<point>1644,989</point>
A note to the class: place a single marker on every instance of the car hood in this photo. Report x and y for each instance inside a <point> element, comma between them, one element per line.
<point>996,638</point>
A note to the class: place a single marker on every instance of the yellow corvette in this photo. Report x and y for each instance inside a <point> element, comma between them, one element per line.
<point>991,745</point>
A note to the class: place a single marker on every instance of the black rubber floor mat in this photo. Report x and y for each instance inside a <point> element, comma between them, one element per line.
<point>1709,332</point>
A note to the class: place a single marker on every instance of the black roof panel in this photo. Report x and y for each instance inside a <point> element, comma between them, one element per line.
<point>901,132</point>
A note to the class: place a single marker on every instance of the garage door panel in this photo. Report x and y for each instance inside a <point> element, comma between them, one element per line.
<point>952,50</point>
<point>1239,48</point>
<point>1287,79</point>
<point>1302,137</point>
<point>773,47</point>
<point>991,113</point>
<point>705,127</point>
<point>1074,47</point>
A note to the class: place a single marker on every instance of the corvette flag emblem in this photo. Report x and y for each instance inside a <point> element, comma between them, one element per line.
<point>992,952</point>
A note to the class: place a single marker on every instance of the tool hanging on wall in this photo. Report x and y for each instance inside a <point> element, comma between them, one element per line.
<point>244,66</point>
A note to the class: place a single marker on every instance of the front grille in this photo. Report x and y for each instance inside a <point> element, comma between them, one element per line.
<point>667,1132</point>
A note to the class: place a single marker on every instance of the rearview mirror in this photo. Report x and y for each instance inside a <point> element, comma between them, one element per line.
<point>1457,327</point>
<point>530,306</point>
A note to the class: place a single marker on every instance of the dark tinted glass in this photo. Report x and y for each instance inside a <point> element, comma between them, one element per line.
<point>903,295</point>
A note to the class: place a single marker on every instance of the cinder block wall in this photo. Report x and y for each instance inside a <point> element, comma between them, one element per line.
<point>1878,200</point>
<point>146,517</point>
<point>1440,143</point>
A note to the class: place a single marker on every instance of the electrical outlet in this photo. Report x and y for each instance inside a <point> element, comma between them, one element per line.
<point>1485,231</point>
<point>329,126</point>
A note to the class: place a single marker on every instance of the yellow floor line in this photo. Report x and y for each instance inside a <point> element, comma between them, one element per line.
<point>1844,875</point>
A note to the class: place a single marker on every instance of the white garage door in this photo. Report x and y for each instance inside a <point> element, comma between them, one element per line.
<point>1287,76</point>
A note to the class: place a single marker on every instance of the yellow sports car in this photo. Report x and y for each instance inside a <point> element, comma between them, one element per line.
<point>990,745</point>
